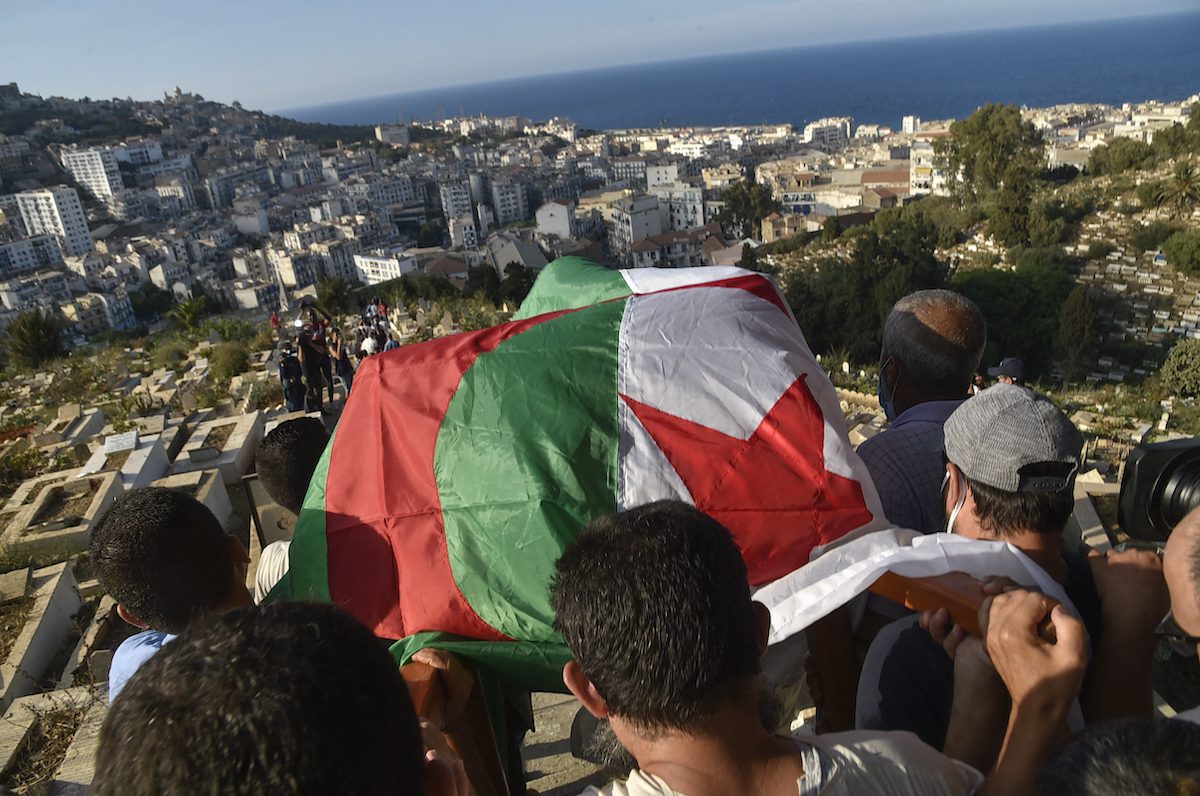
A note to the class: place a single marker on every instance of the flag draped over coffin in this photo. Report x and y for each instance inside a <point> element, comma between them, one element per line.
<point>462,467</point>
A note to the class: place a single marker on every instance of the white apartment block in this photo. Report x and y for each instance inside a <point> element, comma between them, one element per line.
<point>910,124</point>
<point>924,175</point>
<point>57,212</point>
<point>634,219</point>
<point>392,134</point>
<point>456,198</point>
<point>681,204</point>
<point>95,169</point>
<point>139,152</point>
<point>463,234</point>
<point>557,217</point>
<point>662,174</point>
<point>509,201</point>
<point>829,134</point>
<point>29,253</point>
<point>374,269</point>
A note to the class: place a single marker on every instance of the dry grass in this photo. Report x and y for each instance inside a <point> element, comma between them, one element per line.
<point>44,749</point>
<point>63,505</point>
<point>115,461</point>
<point>217,437</point>
<point>12,620</point>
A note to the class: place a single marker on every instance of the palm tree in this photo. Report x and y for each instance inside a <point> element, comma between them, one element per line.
<point>189,313</point>
<point>35,337</point>
<point>1181,193</point>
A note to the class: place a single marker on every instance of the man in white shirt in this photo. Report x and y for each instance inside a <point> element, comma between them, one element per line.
<point>655,607</point>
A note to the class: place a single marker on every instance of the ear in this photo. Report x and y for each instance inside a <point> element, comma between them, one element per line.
<point>953,486</point>
<point>891,371</point>
<point>130,618</point>
<point>762,626</point>
<point>584,690</point>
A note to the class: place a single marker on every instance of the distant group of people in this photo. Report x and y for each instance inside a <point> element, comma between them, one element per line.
<point>666,639</point>
<point>307,364</point>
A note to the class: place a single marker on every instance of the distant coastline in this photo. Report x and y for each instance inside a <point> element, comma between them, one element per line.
<point>878,82</point>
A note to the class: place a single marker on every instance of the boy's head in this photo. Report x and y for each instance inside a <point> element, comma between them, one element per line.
<point>287,458</point>
<point>655,606</point>
<point>164,557</point>
<point>285,698</point>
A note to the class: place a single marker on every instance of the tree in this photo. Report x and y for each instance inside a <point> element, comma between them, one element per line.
<point>749,259</point>
<point>1075,345</point>
<point>335,295</point>
<point>987,149</point>
<point>842,305</point>
<point>1149,237</point>
<point>1183,251</point>
<point>1022,307</point>
<point>1180,194</point>
<point>483,280</point>
<point>1181,372</point>
<point>150,302</point>
<point>1121,155</point>
<point>517,282</point>
<point>830,230</point>
<point>429,235</point>
<point>35,337</point>
<point>190,313</point>
<point>746,205</point>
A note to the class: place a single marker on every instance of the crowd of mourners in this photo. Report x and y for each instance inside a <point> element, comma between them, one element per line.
<point>321,351</point>
<point>219,695</point>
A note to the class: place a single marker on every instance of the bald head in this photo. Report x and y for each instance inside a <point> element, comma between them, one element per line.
<point>937,338</point>
<point>1181,568</point>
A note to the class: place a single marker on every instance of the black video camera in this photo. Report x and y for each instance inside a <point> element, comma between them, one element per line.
<point>1161,484</point>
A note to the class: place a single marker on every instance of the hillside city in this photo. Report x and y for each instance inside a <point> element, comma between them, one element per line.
<point>154,255</point>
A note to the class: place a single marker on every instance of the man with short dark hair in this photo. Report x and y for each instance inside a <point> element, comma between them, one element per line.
<point>1012,460</point>
<point>167,562</point>
<point>285,461</point>
<point>1149,757</point>
<point>289,698</point>
<point>932,343</point>
<point>287,457</point>
<point>655,607</point>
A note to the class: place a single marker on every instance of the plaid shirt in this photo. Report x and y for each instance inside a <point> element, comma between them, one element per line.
<point>905,462</point>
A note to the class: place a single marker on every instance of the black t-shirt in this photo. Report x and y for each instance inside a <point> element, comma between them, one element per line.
<point>908,679</point>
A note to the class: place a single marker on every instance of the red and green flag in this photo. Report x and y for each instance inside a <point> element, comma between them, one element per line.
<point>462,467</point>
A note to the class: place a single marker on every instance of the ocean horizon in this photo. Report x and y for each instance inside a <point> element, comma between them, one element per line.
<point>876,82</point>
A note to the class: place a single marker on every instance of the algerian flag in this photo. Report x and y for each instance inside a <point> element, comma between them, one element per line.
<point>462,467</point>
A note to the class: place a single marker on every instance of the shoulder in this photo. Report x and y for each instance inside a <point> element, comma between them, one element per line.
<point>899,760</point>
<point>639,783</point>
<point>131,654</point>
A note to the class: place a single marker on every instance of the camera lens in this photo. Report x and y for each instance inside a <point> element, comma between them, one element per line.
<point>1181,491</point>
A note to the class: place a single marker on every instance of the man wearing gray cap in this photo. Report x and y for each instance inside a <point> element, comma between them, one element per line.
<point>1012,457</point>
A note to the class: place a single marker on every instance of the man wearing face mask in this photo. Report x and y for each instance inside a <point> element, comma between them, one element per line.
<point>932,343</point>
<point>1012,457</point>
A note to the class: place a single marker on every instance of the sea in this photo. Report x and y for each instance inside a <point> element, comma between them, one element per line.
<point>935,77</point>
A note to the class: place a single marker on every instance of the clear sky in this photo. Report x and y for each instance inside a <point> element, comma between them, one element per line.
<point>275,54</point>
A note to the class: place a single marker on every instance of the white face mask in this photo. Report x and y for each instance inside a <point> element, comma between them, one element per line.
<point>962,499</point>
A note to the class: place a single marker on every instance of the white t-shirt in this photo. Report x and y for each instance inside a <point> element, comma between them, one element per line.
<point>849,763</point>
<point>1192,715</point>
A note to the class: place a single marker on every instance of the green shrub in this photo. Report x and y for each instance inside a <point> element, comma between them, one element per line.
<point>228,360</point>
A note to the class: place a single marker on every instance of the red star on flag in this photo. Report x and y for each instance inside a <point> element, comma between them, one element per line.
<point>779,470</point>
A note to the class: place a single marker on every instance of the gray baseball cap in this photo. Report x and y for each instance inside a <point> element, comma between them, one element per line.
<point>996,434</point>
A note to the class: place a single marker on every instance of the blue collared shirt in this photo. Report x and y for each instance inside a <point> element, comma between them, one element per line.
<point>905,462</point>
<point>129,657</point>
